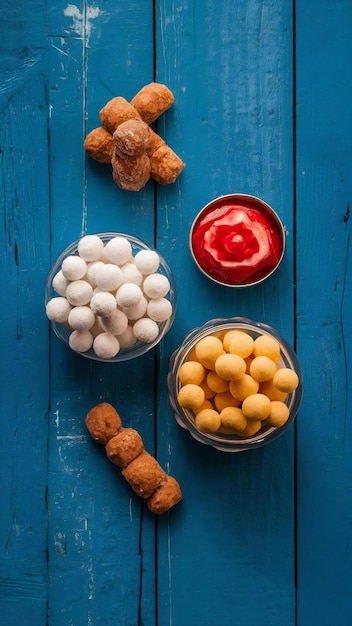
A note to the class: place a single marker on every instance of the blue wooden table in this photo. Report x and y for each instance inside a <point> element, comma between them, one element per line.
<point>263,102</point>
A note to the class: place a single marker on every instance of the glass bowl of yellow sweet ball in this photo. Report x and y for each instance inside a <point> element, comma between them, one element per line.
<point>234,384</point>
<point>110,297</point>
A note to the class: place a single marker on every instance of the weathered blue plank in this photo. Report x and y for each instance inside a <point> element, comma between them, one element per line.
<point>101,542</point>
<point>226,554</point>
<point>120,60</point>
<point>324,311</point>
<point>229,547</point>
<point>24,330</point>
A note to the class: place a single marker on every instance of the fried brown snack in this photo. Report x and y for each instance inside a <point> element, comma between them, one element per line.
<point>131,173</point>
<point>116,111</point>
<point>124,447</point>
<point>154,142</point>
<point>103,422</point>
<point>131,138</point>
<point>144,475</point>
<point>165,496</point>
<point>165,165</point>
<point>152,100</point>
<point>134,138</point>
<point>99,145</point>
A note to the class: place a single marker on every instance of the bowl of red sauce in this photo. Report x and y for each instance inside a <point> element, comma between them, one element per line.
<point>237,240</point>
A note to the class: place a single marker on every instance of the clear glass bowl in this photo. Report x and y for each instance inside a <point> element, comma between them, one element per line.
<point>63,332</point>
<point>232,442</point>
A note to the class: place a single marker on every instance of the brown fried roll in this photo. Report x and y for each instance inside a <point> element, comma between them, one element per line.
<point>124,447</point>
<point>154,142</point>
<point>152,100</point>
<point>165,496</point>
<point>99,145</point>
<point>116,111</point>
<point>131,138</point>
<point>165,165</point>
<point>131,173</point>
<point>103,422</point>
<point>144,475</point>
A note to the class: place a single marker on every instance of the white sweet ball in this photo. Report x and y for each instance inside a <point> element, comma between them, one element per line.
<point>147,261</point>
<point>58,309</point>
<point>73,267</point>
<point>128,295</point>
<point>103,258</point>
<point>159,309</point>
<point>81,318</point>
<point>60,283</point>
<point>156,286</point>
<point>131,274</point>
<point>80,340</point>
<point>91,273</point>
<point>127,339</point>
<point>145,330</point>
<point>116,323</point>
<point>106,346</point>
<point>103,303</point>
<point>109,276</point>
<point>90,247</point>
<point>97,327</point>
<point>137,310</point>
<point>79,292</point>
<point>118,250</point>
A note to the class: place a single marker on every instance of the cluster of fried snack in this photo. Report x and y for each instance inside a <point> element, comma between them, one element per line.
<point>126,140</point>
<point>124,447</point>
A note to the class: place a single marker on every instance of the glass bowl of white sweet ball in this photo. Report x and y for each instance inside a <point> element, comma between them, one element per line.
<point>110,297</point>
<point>235,384</point>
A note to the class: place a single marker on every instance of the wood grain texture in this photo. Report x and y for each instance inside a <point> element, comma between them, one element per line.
<point>324,311</point>
<point>230,67</point>
<point>261,538</point>
<point>101,542</point>
<point>24,329</point>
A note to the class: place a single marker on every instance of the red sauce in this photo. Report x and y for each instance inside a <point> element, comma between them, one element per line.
<point>237,243</point>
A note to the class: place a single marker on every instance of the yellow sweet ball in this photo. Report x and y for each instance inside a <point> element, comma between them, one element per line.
<point>233,419</point>
<point>209,393</point>
<point>216,383</point>
<point>207,351</point>
<point>286,379</point>
<point>225,399</point>
<point>242,346</point>
<point>207,404</point>
<point>227,338</point>
<point>248,360</point>
<point>243,387</point>
<point>230,366</point>
<point>267,346</point>
<point>252,428</point>
<point>192,356</point>
<point>208,421</point>
<point>256,407</point>
<point>262,368</point>
<point>279,413</point>
<point>220,334</point>
<point>238,342</point>
<point>191,372</point>
<point>268,389</point>
<point>190,396</point>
